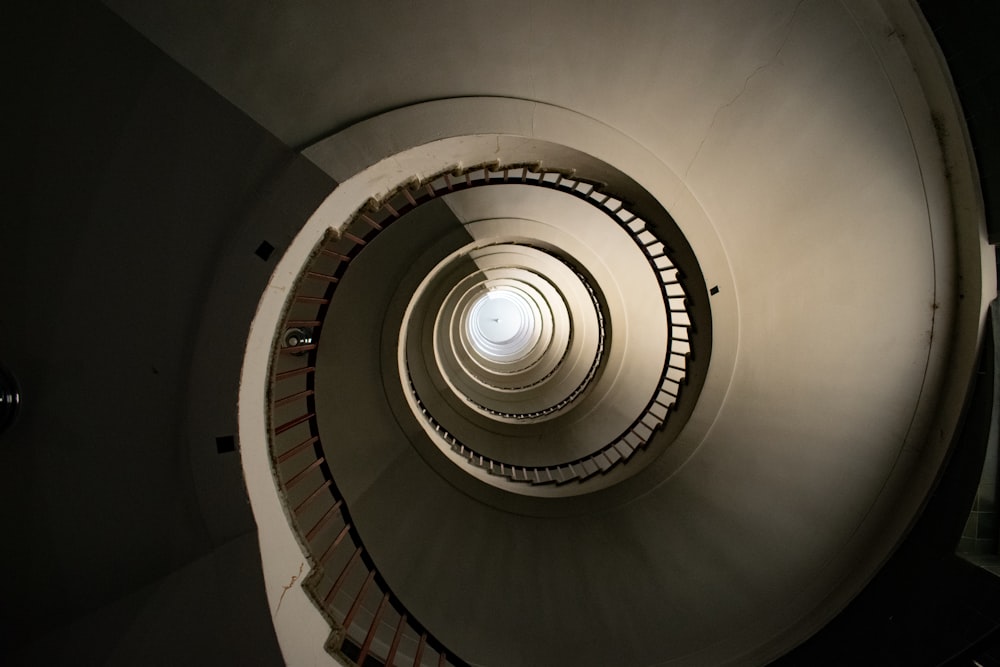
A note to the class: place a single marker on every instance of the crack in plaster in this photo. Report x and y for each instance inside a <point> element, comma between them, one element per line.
<point>285,589</point>
<point>746,84</point>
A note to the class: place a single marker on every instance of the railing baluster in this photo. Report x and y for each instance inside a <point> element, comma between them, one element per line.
<point>296,449</point>
<point>298,349</point>
<point>373,629</point>
<point>289,399</point>
<point>299,476</point>
<point>311,299</point>
<point>418,656</point>
<point>324,520</point>
<point>333,545</point>
<point>333,253</point>
<point>657,401</point>
<point>293,423</point>
<point>294,372</point>
<point>322,276</point>
<point>400,627</point>
<point>358,599</point>
<point>371,223</point>
<point>343,576</point>
<point>312,496</point>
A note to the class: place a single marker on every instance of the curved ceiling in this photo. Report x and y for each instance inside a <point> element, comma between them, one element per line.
<point>798,136</point>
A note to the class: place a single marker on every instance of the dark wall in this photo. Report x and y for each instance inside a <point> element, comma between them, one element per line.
<point>967,32</point>
<point>129,276</point>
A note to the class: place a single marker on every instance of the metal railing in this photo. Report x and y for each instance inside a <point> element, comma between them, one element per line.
<point>369,624</point>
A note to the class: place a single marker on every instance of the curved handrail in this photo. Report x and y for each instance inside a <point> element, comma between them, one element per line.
<point>369,623</point>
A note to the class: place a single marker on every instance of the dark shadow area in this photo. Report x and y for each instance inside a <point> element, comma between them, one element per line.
<point>927,606</point>
<point>967,33</point>
<point>128,261</point>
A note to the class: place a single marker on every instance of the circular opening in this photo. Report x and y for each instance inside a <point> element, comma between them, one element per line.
<point>503,324</point>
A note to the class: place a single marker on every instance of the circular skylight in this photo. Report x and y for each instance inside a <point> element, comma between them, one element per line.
<point>503,324</point>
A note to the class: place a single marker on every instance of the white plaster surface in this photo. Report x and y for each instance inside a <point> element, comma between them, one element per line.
<point>794,145</point>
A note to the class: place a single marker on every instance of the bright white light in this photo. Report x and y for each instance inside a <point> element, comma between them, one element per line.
<point>503,324</point>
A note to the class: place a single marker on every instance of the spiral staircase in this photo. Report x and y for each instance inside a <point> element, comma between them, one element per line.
<point>419,334</point>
